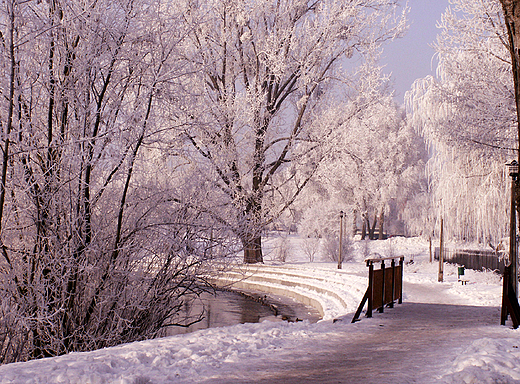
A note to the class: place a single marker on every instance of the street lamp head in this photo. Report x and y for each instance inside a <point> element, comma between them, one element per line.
<point>513,169</point>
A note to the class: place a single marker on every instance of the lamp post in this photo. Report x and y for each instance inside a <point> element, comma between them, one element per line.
<point>513,257</point>
<point>340,256</point>
<point>441,254</point>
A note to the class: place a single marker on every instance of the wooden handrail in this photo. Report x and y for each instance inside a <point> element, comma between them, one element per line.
<point>372,259</point>
<point>382,290</point>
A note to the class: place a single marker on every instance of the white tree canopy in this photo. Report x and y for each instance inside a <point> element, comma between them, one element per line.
<point>266,74</point>
<point>374,171</point>
<point>467,116</point>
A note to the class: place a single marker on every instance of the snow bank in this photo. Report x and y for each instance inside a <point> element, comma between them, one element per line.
<point>211,353</point>
<point>487,361</point>
<point>178,359</point>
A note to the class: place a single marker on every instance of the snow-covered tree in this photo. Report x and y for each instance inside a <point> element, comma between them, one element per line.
<point>94,250</point>
<point>511,11</point>
<point>265,75</point>
<point>468,117</point>
<point>373,173</point>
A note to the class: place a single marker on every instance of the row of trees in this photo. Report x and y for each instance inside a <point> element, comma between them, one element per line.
<point>468,116</point>
<point>374,176</point>
<point>143,140</point>
<point>96,246</point>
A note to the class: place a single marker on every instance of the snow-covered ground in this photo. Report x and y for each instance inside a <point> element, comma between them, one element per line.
<point>210,354</point>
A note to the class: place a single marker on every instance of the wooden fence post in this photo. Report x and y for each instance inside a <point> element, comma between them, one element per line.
<point>340,252</point>
<point>401,262</point>
<point>370,288</point>
<point>431,258</point>
<point>505,286</point>
<point>382,308</point>
<point>392,265</point>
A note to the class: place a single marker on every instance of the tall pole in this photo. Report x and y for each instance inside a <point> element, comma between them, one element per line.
<point>431,259</point>
<point>441,253</point>
<point>510,280</point>
<point>511,9</point>
<point>512,238</point>
<point>340,255</point>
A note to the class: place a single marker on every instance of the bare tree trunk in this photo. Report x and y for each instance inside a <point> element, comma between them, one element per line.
<point>253,250</point>
<point>511,10</point>
<point>9,125</point>
<point>373,229</point>
<point>253,211</point>
<point>381,222</point>
<point>354,224</point>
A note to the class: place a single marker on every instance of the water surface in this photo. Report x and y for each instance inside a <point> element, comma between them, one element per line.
<point>226,308</point>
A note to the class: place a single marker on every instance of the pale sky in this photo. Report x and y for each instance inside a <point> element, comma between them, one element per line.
<point>411,57</point>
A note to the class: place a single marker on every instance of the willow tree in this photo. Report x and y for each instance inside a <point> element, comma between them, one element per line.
<point>468,116</point>
<point>264,74</point>
<point>511,10</point>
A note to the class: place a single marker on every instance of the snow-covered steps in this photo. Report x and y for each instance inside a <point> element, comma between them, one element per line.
<point>332,292</point>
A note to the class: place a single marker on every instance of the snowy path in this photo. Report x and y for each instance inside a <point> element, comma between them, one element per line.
<point>442,333</point>
<point>413,343</point>
<point>416,342</point>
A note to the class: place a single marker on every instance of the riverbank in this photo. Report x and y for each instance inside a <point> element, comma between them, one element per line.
<point>443,332</point>
<point>224,308</point>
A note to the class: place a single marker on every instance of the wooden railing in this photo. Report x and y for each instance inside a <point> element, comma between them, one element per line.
<point>385,285</point>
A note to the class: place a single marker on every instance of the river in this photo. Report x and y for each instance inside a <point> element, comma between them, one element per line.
<point>226,308</point>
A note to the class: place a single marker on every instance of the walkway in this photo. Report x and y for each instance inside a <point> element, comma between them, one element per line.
<point>410,343</point>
